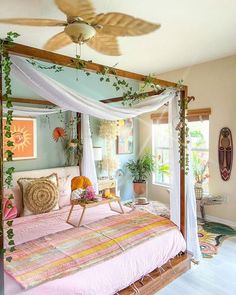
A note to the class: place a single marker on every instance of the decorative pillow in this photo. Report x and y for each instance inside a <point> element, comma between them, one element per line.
<point>80,182</point>
<point>17,201</point>
<point>40,195</point>
<point>8,211</point>
<point>64,190</point>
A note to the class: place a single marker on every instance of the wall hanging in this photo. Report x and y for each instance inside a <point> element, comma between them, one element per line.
<point>24,137</point>
<point>225,153</point>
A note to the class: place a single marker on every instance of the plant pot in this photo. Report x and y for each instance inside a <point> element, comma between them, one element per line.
<point>139,188</point>
<point>198,190</point>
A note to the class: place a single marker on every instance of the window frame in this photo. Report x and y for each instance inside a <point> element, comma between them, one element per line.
<point>162,118</point>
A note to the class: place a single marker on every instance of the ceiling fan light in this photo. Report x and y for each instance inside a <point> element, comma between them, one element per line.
<point>80,32</point>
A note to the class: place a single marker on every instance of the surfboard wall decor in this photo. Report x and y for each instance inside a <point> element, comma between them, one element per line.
<point>225,153</point>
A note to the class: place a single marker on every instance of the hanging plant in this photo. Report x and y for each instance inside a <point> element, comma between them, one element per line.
<point>6,71</point>
<point>183,134</point>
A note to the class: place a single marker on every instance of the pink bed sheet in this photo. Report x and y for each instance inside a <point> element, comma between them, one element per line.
<point>105,278</point>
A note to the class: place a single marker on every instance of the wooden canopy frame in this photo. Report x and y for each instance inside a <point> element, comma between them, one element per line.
<point>180,265</point>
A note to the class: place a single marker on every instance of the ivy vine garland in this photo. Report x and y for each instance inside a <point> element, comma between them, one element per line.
<point>6,70</point>
<point>130,97</point>
<point>183,132</point>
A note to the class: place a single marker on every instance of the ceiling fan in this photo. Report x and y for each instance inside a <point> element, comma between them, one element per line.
<point>99,31</point>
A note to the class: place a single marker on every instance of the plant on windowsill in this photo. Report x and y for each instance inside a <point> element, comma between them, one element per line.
<point>140,170</point>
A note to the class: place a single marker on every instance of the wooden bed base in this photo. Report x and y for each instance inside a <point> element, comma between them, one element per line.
<point>160,277</point>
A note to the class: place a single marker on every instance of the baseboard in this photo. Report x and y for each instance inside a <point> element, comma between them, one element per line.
<point>220,220</point>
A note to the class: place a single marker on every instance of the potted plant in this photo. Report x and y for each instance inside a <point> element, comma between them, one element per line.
<point>140,170</point>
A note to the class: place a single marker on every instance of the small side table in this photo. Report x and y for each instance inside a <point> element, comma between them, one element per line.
<point>93,204</point>
<point>209,200</point>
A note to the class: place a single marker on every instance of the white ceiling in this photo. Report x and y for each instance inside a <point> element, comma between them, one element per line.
<point>193,31</point>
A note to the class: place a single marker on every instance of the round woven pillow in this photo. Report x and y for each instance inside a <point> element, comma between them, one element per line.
<point>41,196</point>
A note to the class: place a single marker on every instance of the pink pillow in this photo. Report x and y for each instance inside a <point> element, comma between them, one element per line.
<point>17,201</point>
<point>64,190</point>
<point>8,213</point>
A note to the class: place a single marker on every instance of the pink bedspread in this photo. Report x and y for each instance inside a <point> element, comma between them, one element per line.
<point>101,279</point>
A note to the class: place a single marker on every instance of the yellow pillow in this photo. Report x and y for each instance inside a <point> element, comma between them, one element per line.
<point>80,182</point>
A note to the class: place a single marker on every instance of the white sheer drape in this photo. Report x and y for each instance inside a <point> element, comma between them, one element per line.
<point>173,118</point>
<point>68,99</point>
<point>191,215</point>
<point>88,167</point>
<point>31,111</point>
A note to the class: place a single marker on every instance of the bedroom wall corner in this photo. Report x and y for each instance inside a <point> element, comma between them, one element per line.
<point>213,85</point>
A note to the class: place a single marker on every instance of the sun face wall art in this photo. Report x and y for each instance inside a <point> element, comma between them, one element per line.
<point>24,136</point>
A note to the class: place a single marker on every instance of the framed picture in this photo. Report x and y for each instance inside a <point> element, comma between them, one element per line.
<point>125,140</point>
<point>24,136</point>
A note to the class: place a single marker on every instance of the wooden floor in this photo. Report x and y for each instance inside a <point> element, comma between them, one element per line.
<point>214,276</point>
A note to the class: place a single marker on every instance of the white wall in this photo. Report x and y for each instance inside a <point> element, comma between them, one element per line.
<point>214,85</point>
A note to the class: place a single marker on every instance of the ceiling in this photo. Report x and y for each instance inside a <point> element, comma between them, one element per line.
<point>192,31</point>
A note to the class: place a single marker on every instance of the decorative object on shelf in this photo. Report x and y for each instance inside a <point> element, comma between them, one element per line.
<point>24,138</point>
<point>107,187</point>
<point>198,190</point>
<point>225,153</point>
<point>140,170</point>
<point>125,139</point>
<point>200,174</point>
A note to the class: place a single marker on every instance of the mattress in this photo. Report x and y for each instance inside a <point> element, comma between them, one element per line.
<point>104,278</point>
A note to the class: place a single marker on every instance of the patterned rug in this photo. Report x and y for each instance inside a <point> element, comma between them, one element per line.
<point>211,234</point>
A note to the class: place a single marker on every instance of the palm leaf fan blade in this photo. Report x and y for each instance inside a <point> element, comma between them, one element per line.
<point>119,24</point>
<point>33,22</point>
<point>77,8</point>
<point>105,44</point>
<point>57,41</point>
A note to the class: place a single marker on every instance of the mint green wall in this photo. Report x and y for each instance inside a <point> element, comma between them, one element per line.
<point>50,154</point>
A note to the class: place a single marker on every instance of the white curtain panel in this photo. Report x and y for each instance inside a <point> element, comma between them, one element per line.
<point>68,99</point>
<point>191,213</point>
<point>173,119</point>
<point>31,111</point>
<point>88,167</point>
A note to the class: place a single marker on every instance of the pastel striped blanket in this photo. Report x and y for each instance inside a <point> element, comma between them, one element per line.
<point>60,254</point>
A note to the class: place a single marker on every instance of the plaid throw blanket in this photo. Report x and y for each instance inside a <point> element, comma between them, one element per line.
<point>63,253</point>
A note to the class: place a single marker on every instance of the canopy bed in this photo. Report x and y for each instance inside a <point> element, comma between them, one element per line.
<point>116,274</point>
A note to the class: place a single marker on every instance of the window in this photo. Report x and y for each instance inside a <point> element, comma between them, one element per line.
<point>199,133</point>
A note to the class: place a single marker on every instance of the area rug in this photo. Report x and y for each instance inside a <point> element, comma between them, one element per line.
<point>212,235</point>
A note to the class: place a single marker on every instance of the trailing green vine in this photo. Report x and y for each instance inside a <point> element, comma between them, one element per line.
<point>183,133</point>
<point>6,70</point>
<point>41,66</point>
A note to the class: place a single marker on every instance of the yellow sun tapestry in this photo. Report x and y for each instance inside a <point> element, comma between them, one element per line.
<point>23,134</point>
